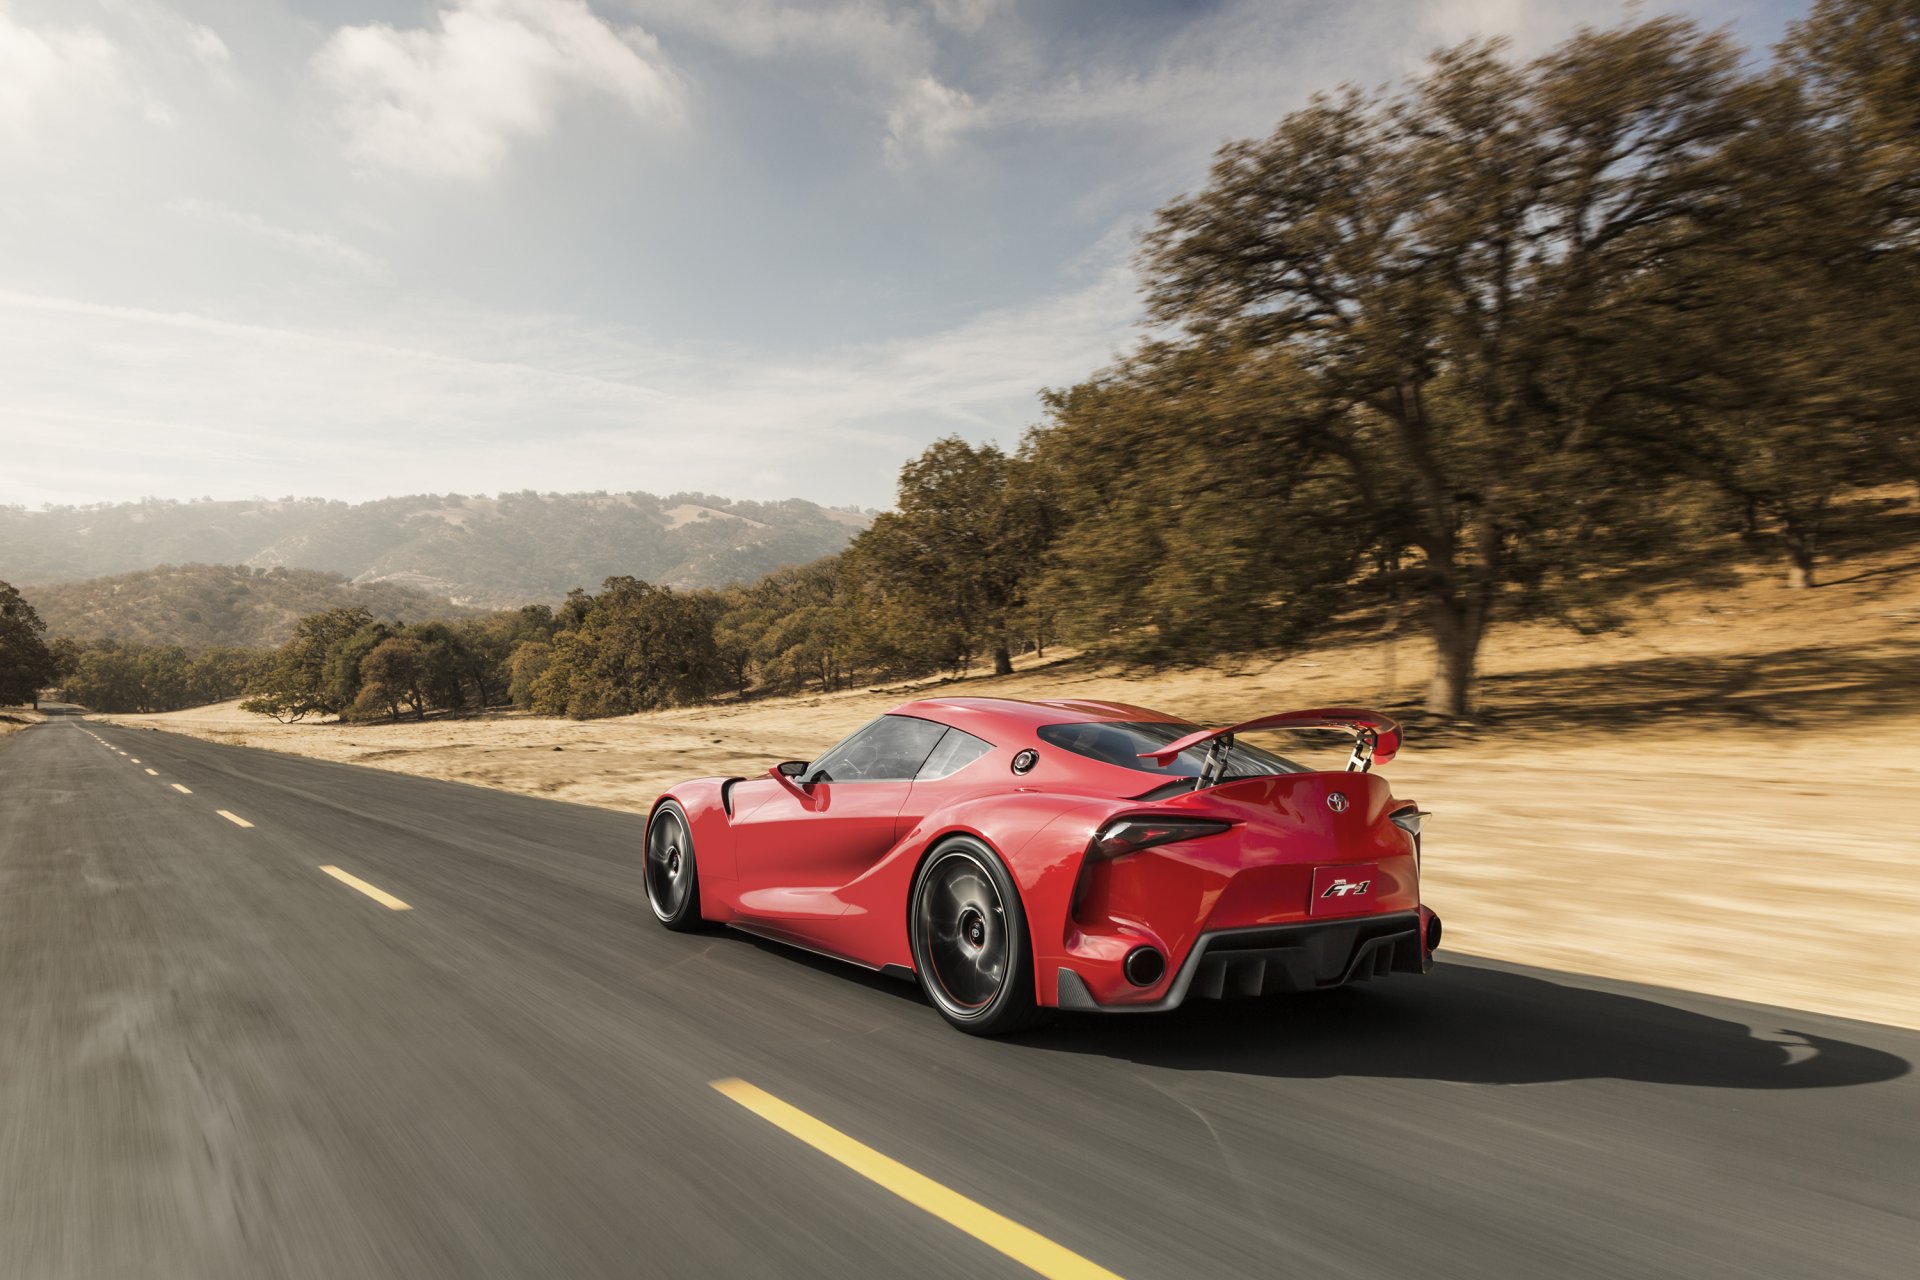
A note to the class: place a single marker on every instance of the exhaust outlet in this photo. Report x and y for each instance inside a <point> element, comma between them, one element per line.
<point>1433,933</point>
<point>1144,966</point>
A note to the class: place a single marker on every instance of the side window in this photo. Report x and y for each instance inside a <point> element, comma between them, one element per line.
<point>956,751</point>
<point>891,749</point>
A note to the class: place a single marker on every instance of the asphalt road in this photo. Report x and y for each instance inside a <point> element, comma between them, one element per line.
<point>221,1062</point>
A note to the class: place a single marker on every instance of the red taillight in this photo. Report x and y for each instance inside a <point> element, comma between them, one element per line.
<point>1130,835</point>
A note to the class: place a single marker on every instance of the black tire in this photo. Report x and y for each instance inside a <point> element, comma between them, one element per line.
<point>673,878</point>
<point>971,948</point>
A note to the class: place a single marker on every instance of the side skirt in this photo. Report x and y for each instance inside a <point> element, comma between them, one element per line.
<point>787,940</point>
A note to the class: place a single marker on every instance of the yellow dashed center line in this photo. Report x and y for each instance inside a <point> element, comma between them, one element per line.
<point>133,759</point>
<point>182,790</point>
<point>153,773</point>
<point>234,818</point>
<point>1025,1246</point>
<point>380,896</point>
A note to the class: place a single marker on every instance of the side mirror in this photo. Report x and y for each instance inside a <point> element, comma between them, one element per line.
<point>792,768</point>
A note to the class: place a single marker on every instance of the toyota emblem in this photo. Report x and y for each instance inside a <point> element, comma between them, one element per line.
<point>1337,801</point>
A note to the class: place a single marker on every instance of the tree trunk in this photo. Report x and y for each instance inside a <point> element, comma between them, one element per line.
<point>1456,646</point>
<point>1002,661</point>
<point>1800,530</point>
<point>1800,560</point>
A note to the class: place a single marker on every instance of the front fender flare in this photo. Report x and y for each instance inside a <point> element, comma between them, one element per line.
<point>704,802</point>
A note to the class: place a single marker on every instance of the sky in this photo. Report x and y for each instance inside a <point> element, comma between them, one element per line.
<point>358,248</point>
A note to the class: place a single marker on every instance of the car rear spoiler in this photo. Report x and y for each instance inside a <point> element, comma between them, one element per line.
<point>1376,737</point>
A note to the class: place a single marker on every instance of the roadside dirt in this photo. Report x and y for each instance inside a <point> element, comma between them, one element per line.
<point>1720,797</point>
<point>14,719</point>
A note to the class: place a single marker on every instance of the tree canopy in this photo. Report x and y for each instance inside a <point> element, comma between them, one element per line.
<point>27,665</point>
<point>1459,342</point>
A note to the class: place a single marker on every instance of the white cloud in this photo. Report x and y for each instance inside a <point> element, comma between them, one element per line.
<point>968,15</point>
<point>1532,28</point>
<point>57,82</point>
<point>207,46</point>
<point>156,25</point>
<point>884,40</point>
<point>316,245</point>
<point>891,50</point>
<point>46,69</point>
<point>176,402</point>
<point>1241,62</point>
<point>450,99</point>
<point>927,118</point>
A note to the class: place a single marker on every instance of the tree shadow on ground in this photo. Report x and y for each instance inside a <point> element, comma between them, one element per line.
<point>1784,688</point>
<point>1481,1025</point>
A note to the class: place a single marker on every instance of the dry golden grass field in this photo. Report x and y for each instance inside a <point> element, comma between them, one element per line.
<point>14,719</point>
<point>1721,796</point>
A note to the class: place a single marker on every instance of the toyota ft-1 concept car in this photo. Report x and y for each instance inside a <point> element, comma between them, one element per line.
<point>1017,857</point>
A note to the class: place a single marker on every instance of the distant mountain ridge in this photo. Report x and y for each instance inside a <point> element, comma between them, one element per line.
<point>504,550</point>
<point>199,606</point>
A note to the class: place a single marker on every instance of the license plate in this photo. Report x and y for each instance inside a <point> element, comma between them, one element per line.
<point>1345,890</point>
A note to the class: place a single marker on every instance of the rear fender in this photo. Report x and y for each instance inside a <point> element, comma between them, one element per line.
<point>1020,828</point>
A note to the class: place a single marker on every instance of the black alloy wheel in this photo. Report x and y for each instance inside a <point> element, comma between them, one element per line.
<point>970,944</point>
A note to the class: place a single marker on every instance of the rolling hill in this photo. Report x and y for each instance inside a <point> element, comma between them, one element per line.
<point>498,551</point>
<point>203,605</point>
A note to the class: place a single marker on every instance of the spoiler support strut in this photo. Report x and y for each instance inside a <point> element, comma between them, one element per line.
<point>1216,762</point>
<point>1364,742</point>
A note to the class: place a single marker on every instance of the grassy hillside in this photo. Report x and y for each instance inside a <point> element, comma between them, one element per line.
<point>497,551</point>
<point>204,605</point>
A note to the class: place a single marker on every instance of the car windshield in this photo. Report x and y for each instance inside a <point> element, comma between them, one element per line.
<point>1121,742</point>
<point>890,749</point>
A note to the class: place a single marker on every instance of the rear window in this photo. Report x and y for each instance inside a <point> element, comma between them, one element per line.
<point>1121,742</point>
<point>955,752</point>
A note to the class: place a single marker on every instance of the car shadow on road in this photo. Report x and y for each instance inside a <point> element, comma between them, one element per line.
<point>1485,1025</point>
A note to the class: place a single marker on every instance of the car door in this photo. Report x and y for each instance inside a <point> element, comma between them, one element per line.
<point>824,829</point>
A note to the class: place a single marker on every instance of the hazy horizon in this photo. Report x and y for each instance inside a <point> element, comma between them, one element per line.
<point>363,249</point>
<point>483,495</point>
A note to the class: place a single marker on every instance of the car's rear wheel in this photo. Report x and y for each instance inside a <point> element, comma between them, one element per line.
<point>971,948</point>
<point>673,881</point>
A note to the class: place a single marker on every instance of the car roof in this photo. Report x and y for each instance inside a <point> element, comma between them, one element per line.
<point>1012,713</point>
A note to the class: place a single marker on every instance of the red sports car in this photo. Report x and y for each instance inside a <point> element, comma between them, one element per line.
<point>1017,857</point>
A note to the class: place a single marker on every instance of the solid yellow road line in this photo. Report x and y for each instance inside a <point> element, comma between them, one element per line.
<point>182,790</point>
<point>1027,1247</point>
<point>234,818</point>
<point>380,896</point>
<point>153,773</point>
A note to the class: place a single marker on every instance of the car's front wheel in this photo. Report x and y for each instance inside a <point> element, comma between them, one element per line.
<point>970,943</point>
<point>673,883</point>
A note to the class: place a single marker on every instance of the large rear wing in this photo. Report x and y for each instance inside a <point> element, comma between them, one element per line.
<point>1376,737</point>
